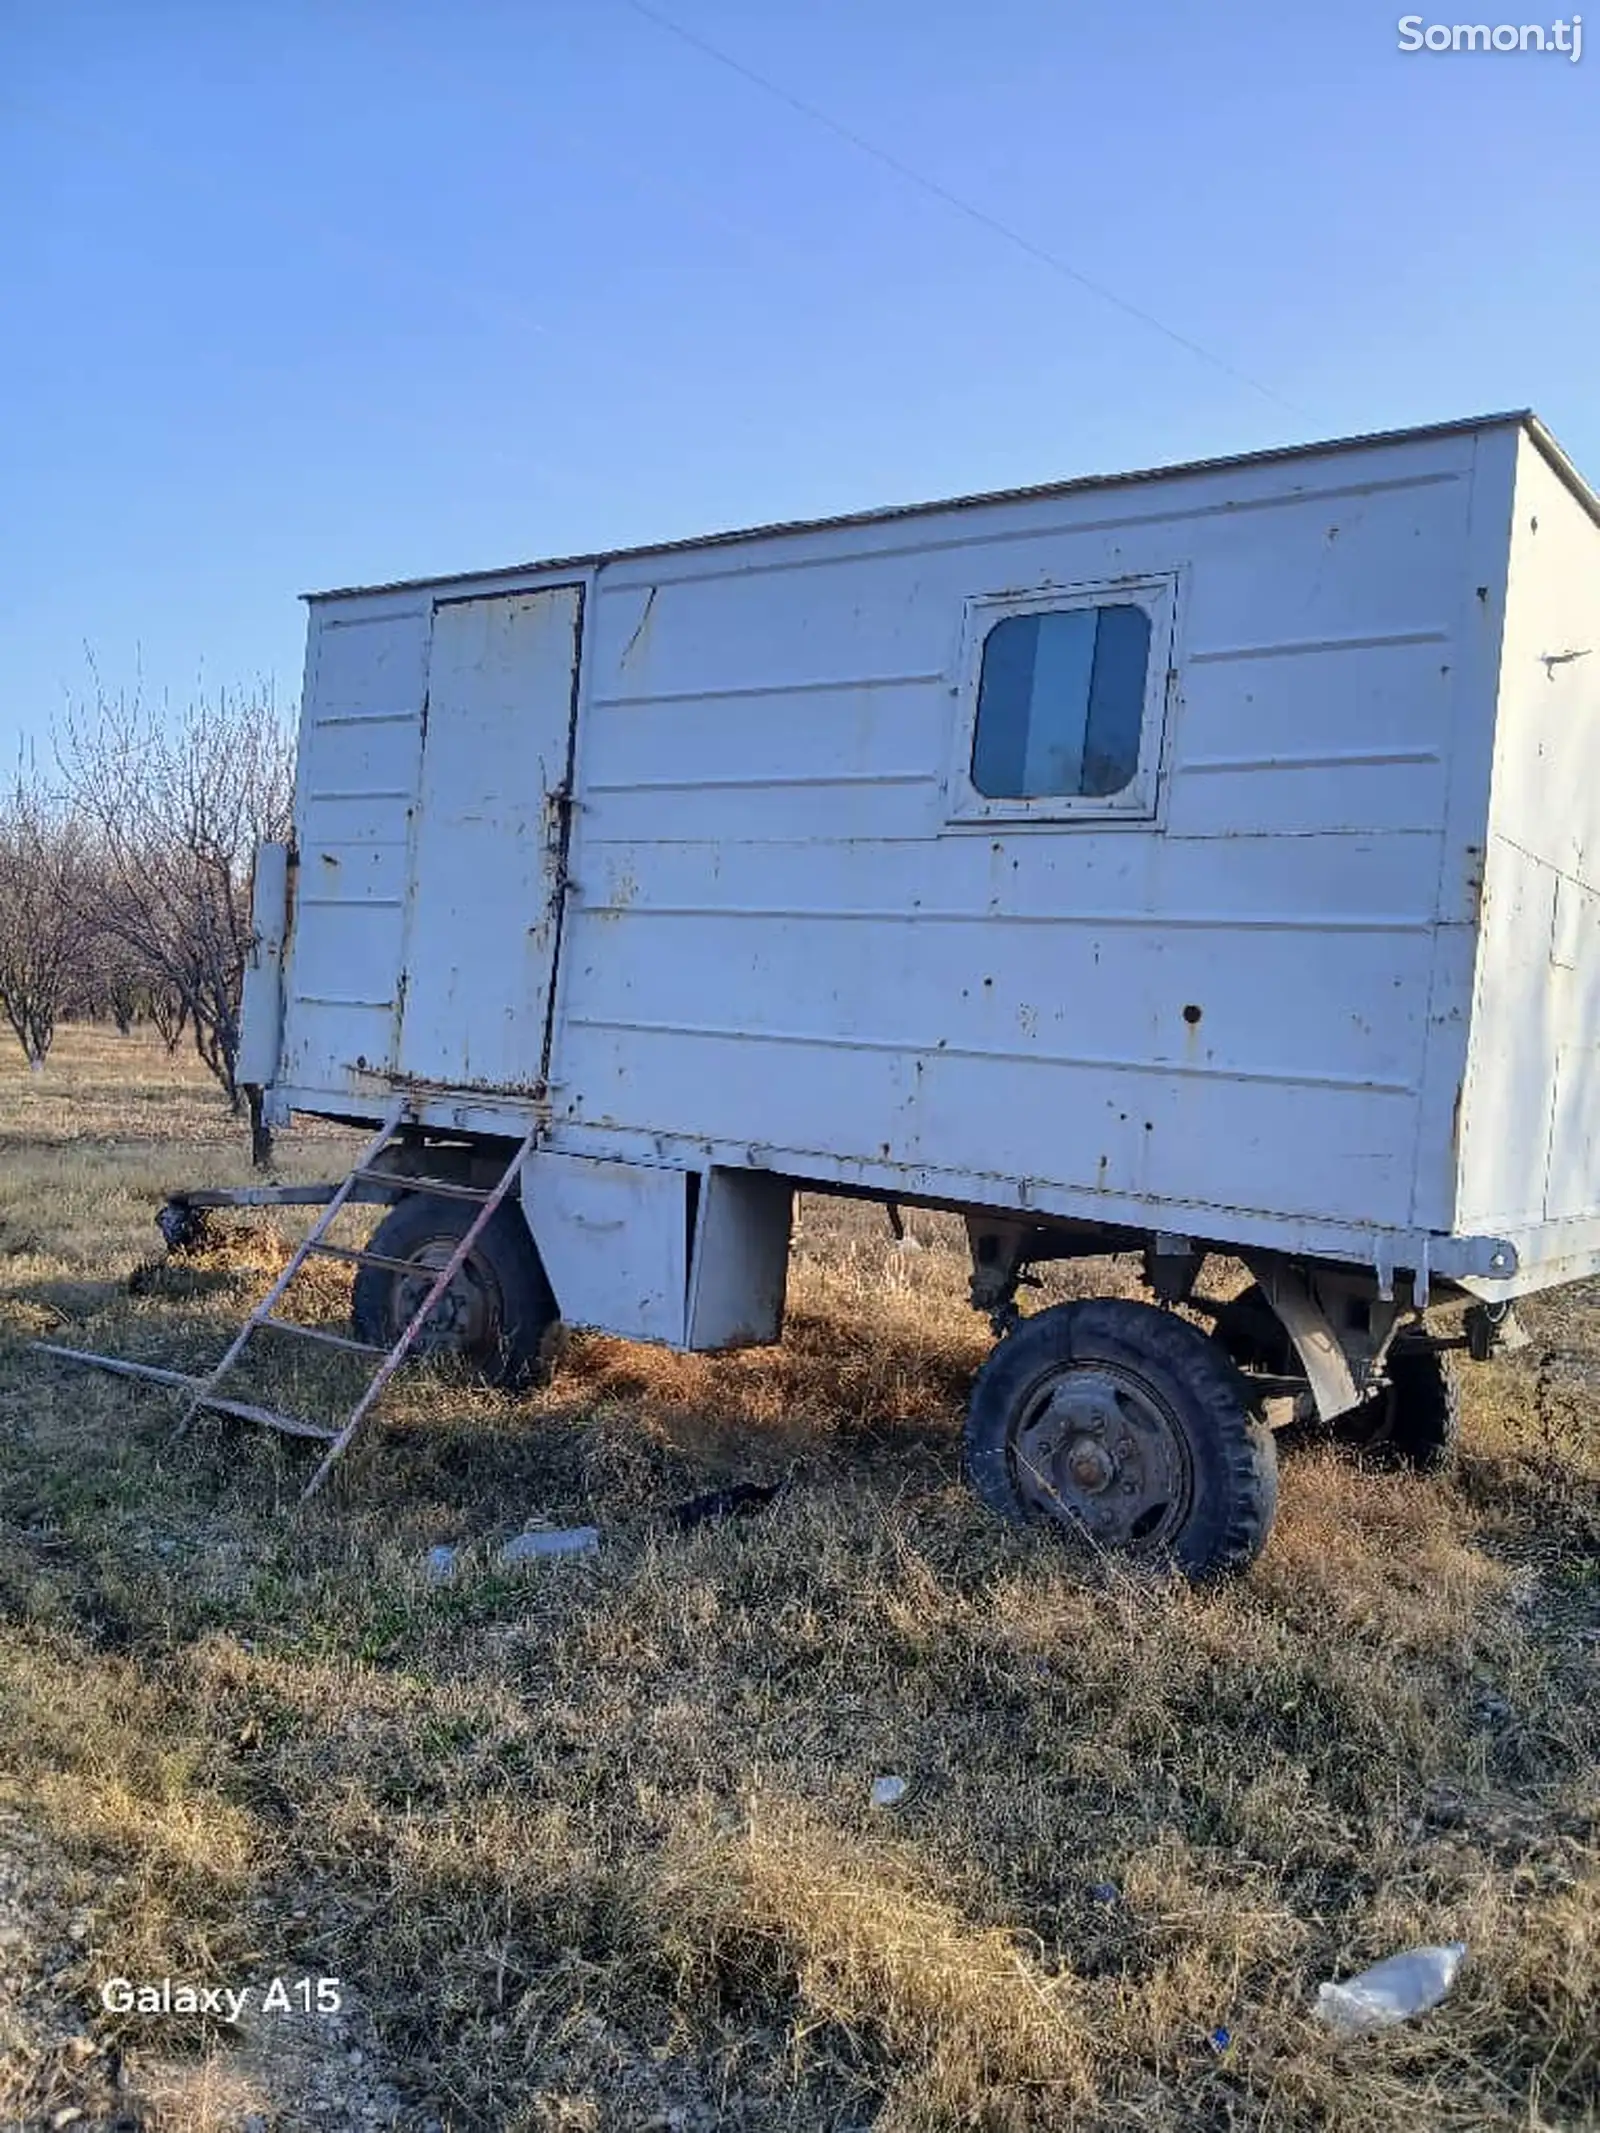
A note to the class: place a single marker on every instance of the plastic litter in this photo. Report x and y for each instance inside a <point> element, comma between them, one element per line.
<point>1105,1892</point>
<point>550,1540</point>
<point>441,1563</point>
<point>1391,1991</point>
<point>888,1791</point>
<point>1220,2039</point>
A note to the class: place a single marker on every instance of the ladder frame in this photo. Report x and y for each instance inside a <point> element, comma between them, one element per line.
<point>204,1392</point>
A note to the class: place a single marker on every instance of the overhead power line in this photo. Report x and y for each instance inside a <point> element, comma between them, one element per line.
<point>912,176</point>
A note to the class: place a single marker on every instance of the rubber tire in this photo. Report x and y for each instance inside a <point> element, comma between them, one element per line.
<point>1255,1339</point>
<point>1423,1425</point>
<point>1234,1460</point>
<point>505,1252</point>
<point>1253,1334</point>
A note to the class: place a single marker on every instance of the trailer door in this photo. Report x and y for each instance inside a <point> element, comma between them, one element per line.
<point>485,883</point>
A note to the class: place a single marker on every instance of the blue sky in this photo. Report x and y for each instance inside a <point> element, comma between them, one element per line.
<point>331,291</point>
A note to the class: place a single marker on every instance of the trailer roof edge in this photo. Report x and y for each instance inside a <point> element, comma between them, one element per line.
<point>882,514</point>
<point>1562,465</point>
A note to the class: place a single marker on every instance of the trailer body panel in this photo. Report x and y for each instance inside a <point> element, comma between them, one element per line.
<point>483,893</point>
<point>1529,1161</point>
<point>1110,851</point>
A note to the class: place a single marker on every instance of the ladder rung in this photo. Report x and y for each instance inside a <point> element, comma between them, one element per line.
<point>444,1188</point>
<point>353,1255</point>
<point>316,1333</point>
<point>290,1425</point>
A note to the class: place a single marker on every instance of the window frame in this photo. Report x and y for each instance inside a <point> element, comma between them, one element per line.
<point>1138,801</point>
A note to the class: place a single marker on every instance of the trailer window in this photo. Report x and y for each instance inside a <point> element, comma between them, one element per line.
<point>1061,704</point>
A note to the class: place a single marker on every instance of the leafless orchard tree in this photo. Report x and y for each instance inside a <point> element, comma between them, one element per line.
<point>110,985</point>
<point>168,1012</point>
<point>176,807</point>
<point>118,984</point>
<point>43,924</point>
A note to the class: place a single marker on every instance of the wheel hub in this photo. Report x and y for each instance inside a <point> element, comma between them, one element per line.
<point>1097,1448</point>
<point>1091,1466</point>
<point>463,1318</point>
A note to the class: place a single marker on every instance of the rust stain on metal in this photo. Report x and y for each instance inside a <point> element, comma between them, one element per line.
<point>1474,883</point>
<point>624,889</point>
<point>534,1092</point>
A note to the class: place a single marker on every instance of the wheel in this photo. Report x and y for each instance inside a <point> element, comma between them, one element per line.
<point>1254,1335</point>
<point>496,1312</point>
<point>1413,1419</point>
<point>1127,1424</point>
<point>1256,1340</point>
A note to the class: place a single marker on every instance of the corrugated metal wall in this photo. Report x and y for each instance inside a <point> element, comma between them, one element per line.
<point>780,938</point>
<point>1530,1128</point>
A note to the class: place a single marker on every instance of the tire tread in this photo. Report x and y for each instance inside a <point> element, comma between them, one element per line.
<point>1234,1458</point>
<point>530,1308</point>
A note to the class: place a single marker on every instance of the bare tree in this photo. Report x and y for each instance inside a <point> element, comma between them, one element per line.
<point>119,983</point>
<point>169,1012</point>
<point>43,930</point>
<point>177,807</point>
<point>112,986</point>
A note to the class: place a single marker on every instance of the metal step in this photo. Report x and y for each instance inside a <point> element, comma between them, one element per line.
<point>328,1340</point>
<point>439,1188</point>
<point>289,1425</point>
<point>354,1255</point>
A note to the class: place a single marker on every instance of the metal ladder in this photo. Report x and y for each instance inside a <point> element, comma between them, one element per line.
<point>204,1392</point>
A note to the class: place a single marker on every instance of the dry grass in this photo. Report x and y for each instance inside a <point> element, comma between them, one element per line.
<point>591,1845</point>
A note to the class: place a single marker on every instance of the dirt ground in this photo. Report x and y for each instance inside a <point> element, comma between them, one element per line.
<point>591,1843</point>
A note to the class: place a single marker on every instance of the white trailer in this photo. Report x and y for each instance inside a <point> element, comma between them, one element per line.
<point>1201,861</point>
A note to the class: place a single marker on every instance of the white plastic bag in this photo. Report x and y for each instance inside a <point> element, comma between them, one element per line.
<point>1391,1991</point>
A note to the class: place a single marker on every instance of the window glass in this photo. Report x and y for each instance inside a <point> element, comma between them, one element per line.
<point>1061,704</point>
